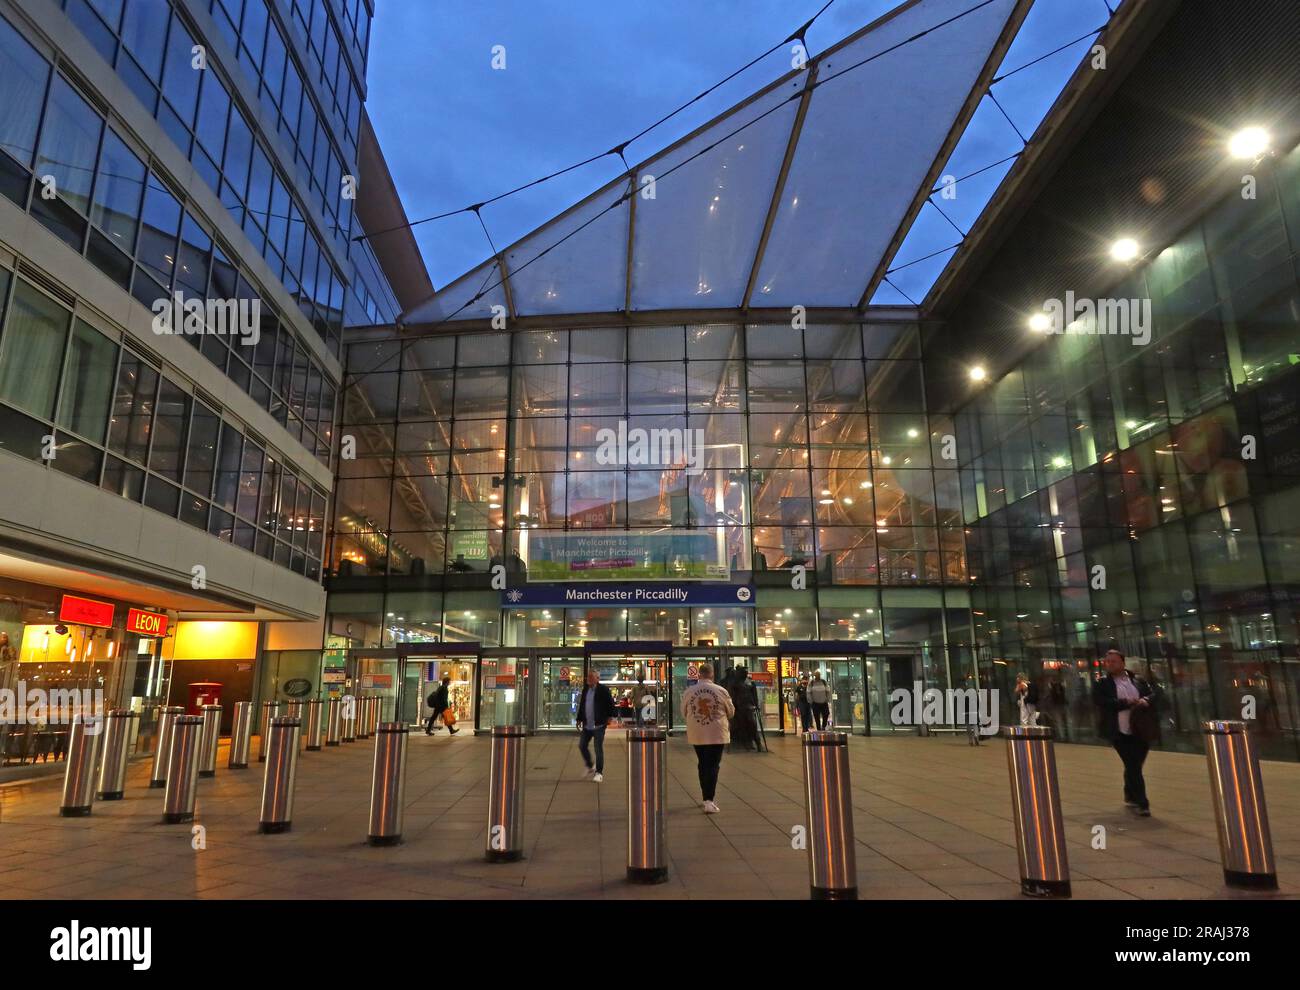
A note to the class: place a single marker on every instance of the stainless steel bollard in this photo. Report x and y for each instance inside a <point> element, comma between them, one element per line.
<point>167,715</point>
<point>182,770</point>
<point>828,799</point>
<point>270,709</point>
<point>314,724</point>
<point>1036,807</point>
<point>241,730</point>
<point>505,818</point>
<point>388,784</point>
<point>366,727</point>
<point>79,774</point>
<point>350,704</point>
<point>118,730</point>
<point>281,775</point>
<point>293,709</point>
<point>333,722</point>
<point>1245,842</point>
<point>209,740</point>
<point>647,752</point>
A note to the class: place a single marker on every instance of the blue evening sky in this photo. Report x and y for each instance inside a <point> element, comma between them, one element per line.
<point>584,75</point>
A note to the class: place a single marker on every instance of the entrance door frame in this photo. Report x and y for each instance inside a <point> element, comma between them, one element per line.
<point>851,649</point>
<point>469,652</point>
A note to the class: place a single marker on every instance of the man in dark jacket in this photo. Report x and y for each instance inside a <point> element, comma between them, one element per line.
<point>439,700</point>
<point>595,709</point>
<point>1125,717</point>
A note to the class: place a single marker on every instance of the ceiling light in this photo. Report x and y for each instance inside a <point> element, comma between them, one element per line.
<point>1249,143</point>
<point>1040,323</point>
<point>977,373</point>
<point>1125,249</point>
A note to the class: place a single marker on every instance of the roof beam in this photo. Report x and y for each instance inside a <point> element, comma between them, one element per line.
<point>778,191</point>
<point>505,286</point>
<point>631,234</point>
<point>955,133</point>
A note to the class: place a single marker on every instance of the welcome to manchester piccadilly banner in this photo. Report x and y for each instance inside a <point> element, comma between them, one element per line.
<point>621,555</point>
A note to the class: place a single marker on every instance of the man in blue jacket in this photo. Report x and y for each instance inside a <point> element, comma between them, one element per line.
<point>595,709</point>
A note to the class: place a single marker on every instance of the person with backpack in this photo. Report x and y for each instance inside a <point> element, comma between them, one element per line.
<point>439,700</point>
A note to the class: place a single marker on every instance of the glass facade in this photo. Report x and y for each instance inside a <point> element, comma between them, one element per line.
<point>122,423</point>
<point>1147,497</point>
<point>815,451</point>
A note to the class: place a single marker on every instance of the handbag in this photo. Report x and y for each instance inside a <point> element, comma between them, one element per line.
<point>448,717</point>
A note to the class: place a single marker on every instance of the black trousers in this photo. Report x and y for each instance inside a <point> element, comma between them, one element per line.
<point>710,762</point>
<point>821,712</point>
<point>1133,751</point>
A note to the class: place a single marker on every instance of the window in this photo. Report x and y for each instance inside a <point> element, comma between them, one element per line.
<point>69,143</point>
<point>201,463</point>
<point>87,382</point>
<point>133,404</point>
<point>31,351</point>
<point>144,32</point>
<point>119,186</point>
<point>26,76</point>
<point>180,78</point>
<point>162,221</point>
<point>168,453</point>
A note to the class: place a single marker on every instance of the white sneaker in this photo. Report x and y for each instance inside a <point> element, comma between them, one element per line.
<point>710,808</point>
<point>597,777</point>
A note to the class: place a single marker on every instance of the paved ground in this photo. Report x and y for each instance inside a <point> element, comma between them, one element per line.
<point>932,821</point>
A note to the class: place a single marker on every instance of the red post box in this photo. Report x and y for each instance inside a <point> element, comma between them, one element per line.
<point>203,693</point>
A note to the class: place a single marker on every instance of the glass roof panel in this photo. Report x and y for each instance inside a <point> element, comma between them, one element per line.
<point>869,138</point>
<point>585,268</point>
<point>695,241</point>
<point>455,302</point>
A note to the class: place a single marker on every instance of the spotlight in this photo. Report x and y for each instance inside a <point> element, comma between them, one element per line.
<point>977,373</point>
<point>1249,143</point>
<point>1125,249</point>
<point>1040,323</point>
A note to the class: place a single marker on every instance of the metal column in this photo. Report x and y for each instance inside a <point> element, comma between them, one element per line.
<point>210,740</point>
<point>828,797</point>
<point>270,709</point>
<point>388,784</point>
<point>315,724</point>
<point>505,824</point>
<point>1245,843</point>
<point>281,775</point>
<point>240,736</point>
<point>118,732</point>
<point>79,774</point>
<point>647,860</point>
<point>182,770</point>
<point>1036,807</point>
<point>333,722</point>
<point>167,715</point>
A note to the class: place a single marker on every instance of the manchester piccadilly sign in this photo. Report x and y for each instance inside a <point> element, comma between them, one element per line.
<point>650,594</point>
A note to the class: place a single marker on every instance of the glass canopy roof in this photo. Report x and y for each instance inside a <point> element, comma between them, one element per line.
<point>794,197</point>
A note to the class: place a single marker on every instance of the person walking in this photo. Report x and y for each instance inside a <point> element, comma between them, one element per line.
<point>819,698</point>
<point>1125,716</point>
<point>1027,699</point>
<point>439,700</point>
<point>801,699</point>
<point>595,709</point>
<point>706,708</point>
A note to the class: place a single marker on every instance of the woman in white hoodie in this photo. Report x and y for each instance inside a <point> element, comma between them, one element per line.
<point>707,709</point>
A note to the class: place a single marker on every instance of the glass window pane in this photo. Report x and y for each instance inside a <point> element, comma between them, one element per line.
<point>130,427</point>
<point>31,351</point>
<point>168,453</point>
<point>144,31</point>
<point>69,144</point>
<point>25,76</point>
<point>119,186</point>
<point>180,78</point>
<point>87,382</point>
<point>162,221</point>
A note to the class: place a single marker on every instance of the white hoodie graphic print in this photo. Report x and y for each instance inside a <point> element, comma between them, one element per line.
<point>706,709</point>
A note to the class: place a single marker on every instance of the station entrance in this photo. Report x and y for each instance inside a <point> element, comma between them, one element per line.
<point>539,687</point>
